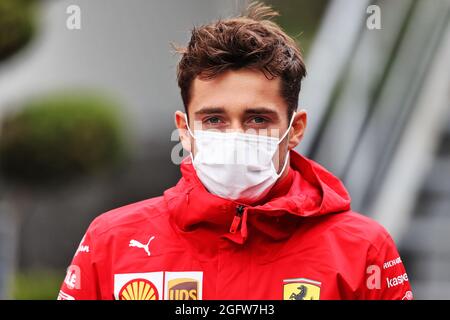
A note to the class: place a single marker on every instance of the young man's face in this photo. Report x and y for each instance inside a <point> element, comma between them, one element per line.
<point>241,100</point>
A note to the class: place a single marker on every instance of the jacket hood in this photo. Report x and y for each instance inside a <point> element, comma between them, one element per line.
<point>312,191</point>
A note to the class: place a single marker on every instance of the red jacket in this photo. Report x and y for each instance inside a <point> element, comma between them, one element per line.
<point>301,242</point>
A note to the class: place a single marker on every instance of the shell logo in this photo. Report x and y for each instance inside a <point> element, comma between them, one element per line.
<point>139,289</point>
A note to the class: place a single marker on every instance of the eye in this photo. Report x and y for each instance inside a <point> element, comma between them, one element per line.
<point>258,120</point>
<point>212,120</point>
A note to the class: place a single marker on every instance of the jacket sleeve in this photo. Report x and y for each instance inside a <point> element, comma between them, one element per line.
<point>81,282</point>
<point>386,277</point>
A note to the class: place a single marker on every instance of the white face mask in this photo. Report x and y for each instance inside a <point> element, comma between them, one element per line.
<point>235,165</point>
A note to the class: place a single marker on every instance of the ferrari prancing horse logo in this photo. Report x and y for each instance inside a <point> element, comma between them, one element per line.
<point>301,289</point>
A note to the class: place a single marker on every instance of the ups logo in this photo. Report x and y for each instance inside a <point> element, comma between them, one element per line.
<point>183,289</point>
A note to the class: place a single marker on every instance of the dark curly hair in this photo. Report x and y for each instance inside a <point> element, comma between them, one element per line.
<point>250,40</point>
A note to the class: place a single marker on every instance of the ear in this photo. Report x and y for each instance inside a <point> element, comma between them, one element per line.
<point>180,123</point>
<point>298,128</point>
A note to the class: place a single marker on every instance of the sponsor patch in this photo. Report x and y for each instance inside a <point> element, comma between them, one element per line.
<point>143,246</point>
<point>64,296</point>
<point>159,286</point>
<point>408,296</point>
<point>72,279</point>
<point>82,247</point>
<point>183,285</point>
<point>301,289</point>
<point>139,289</point>
<point>393,282</point>
<point>392,263</point>
<point>138,286</point>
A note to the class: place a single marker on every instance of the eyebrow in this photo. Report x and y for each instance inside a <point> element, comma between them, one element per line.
<point>215,110</point>
<point>210,110</point>
<point>261,110</point>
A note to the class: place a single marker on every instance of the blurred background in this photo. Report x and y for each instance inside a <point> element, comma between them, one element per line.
<point>86,119</point>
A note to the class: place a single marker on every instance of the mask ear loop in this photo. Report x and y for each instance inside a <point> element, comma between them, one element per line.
<point>282,138</point>
<point>187,125</point>
<point>288,129</point>
<point>190,132</point>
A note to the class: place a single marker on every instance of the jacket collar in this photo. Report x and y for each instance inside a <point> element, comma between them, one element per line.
<point>309,190</point>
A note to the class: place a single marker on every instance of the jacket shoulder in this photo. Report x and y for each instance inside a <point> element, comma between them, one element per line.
<point>129,215</point>
<point>360,227</point>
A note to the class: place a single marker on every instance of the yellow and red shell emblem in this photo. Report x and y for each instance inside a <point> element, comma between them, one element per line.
<point>139,289</point>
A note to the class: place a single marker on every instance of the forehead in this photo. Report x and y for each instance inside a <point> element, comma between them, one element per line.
<point>236,90</point>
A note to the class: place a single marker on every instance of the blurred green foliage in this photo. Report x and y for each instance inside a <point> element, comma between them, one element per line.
<point>17,22</point>
<point>37,285</point>
<point>300,18</point>
<point>60,137</point>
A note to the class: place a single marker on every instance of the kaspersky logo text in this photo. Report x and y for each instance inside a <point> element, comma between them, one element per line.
<point>392,282</point>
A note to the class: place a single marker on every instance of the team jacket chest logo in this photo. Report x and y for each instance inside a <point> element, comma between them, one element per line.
<point>139,289</point>
<point>301,289</point>
<point>183,289</point>
<point>137,244</point>
<point>160,285</point>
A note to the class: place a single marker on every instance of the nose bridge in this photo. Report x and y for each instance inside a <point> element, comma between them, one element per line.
<point>236,125</point>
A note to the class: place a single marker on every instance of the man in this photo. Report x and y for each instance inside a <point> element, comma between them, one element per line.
<point>250,218</point>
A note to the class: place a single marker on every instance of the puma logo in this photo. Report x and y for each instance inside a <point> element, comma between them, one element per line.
<point>137,244</point>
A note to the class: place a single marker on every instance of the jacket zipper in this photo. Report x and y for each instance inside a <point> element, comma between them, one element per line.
<point>237,218</point>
